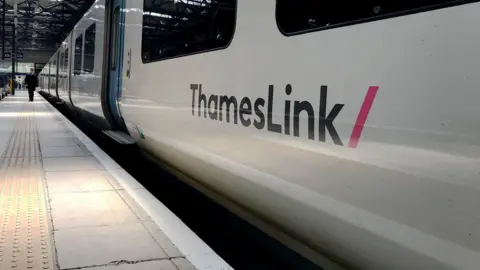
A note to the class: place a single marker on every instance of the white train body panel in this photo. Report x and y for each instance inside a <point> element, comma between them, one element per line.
<point>86,84</point>
<point>405,198</point>
<point>399,186</point>
<point>53,71</point>
<point>63,70</point>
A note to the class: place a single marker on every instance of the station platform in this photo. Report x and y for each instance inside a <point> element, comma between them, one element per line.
<point>65,204</point>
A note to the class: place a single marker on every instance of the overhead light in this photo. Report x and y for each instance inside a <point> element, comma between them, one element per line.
<point>201,3</point>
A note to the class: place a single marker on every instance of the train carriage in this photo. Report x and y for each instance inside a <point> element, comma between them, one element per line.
<point>347,131</point>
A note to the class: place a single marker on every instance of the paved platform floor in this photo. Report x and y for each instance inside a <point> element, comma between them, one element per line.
<point>60,208</point>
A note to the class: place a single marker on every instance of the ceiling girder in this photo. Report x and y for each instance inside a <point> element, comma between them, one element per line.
<point>40,26</point>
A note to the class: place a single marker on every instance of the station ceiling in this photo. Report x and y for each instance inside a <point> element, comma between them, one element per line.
<point>41,24</point>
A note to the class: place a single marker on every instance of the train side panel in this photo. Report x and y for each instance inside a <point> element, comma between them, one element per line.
<point>63,70</point>
<point>87,50</point>
<point>50,76</point>
<point>361,141</point>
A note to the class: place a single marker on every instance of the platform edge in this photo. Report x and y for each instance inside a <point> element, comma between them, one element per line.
<point>195,250</point>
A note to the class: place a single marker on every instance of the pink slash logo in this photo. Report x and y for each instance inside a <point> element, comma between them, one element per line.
<point>362,116</point>
<point>259,113</point>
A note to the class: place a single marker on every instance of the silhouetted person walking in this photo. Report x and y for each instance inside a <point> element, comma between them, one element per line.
<point>32,82</point>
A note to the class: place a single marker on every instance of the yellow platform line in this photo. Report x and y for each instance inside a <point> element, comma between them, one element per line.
<point>25,241</point>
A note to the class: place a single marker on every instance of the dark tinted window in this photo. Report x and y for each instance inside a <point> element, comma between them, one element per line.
<point>60,65</point>
<point>297,16</point>
<point>54,75</point>
<point>183,27</point>
<point>77,68</point>
<point>89,50</point>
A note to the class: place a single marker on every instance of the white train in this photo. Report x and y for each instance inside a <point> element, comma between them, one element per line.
<point>350,132</point>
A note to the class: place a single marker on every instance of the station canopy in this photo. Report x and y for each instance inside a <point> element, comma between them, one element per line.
<point>42,25</point>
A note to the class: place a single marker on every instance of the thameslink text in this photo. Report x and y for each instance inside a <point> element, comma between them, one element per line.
<point>215,105</point>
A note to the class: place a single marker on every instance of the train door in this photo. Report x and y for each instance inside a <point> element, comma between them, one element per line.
<point>70,54</point>
<point>60,72</point>
<point>48,81</point>
<point>56,69</point>
<point>114,65</point>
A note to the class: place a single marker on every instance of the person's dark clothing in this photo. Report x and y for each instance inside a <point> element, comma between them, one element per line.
<point>31,81</point>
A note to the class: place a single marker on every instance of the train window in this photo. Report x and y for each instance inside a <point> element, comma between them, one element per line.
<point>54,75</point>
<point>65,64</point>
<point>300,16</point>
<point>77,68</point>
<point>114,39</point>
<point>89,50</point>
<point>60,65</point>
<point>185,27</point>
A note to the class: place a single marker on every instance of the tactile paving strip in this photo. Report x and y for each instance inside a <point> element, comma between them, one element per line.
<point>24,229</point>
